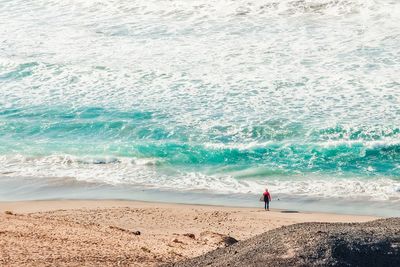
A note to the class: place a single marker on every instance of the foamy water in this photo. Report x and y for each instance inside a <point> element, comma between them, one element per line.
<point>213,96</point>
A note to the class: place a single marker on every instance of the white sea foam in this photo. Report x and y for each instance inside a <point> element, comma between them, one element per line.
<point>144,173</point>
<point>330,61</point>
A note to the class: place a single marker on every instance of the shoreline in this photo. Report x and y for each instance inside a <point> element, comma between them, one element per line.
<point>28,189</point>
<point>28,206</point>
<point>93,232</point>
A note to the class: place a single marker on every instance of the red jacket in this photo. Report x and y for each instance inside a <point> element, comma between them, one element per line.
<point>267,196</point>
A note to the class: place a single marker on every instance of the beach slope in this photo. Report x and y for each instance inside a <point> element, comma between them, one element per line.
<point>375,243</point>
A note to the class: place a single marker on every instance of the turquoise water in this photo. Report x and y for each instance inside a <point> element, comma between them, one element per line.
<point>277,147</point>
<point>209,96</point>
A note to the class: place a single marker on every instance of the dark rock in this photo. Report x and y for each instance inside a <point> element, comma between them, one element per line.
<point>192,236</point>
<point>175,240</point>
<point>375,243</point>
<point>228,240</point>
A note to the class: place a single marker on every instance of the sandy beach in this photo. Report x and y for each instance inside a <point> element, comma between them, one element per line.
<point>143,133</point>
<point>114,232</point>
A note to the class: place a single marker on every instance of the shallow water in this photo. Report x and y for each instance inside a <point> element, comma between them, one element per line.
<point>221,97</point>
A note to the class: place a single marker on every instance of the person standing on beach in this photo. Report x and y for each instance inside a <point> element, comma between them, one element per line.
<point>267,199</point>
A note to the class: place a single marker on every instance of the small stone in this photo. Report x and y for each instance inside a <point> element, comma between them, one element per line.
<point>136,232</point>
<point>145,249</point>
<point>192,236</point>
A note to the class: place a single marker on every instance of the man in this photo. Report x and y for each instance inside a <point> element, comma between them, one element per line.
<point>267,199</point>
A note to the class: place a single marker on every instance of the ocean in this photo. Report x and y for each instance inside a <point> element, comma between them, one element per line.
<point>216,99</point>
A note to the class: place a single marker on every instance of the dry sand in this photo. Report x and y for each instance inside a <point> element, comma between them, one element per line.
<point>102,233</point>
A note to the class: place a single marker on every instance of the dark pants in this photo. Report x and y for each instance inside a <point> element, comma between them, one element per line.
<point>266,202</point>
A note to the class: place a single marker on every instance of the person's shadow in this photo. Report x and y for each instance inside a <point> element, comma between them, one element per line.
<point>289,211</point>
